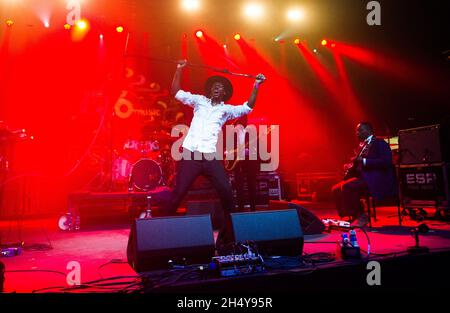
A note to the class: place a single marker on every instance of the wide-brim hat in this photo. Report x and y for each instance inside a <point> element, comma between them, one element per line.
<point>220,79</point>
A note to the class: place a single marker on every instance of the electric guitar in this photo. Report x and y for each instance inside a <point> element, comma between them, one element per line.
<point>230,165</point>
<point>354,168</point>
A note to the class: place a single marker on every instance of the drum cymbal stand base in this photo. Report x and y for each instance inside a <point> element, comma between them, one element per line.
<point>148,211</point>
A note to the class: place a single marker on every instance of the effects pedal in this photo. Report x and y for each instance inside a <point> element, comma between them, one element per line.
<point>237,264</point>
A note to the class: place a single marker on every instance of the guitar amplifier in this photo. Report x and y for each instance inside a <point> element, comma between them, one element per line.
<point>425,185</point>
<point>424,144</point>
<point>268,187</point>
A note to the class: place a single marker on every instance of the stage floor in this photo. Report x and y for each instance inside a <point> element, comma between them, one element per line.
<point>101,249</point>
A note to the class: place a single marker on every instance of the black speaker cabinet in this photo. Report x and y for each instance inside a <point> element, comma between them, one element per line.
<point>424,185</point>
<point>268,187</point>
<point>428,144</point>
<point>274,232</point>
<point>208,206</point>
<point>311,224</point>
<point>153,242</point>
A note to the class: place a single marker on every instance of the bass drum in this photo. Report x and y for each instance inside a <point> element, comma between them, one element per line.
<point>146,175</point>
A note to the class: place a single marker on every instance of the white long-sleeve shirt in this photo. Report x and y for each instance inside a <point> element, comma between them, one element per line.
<point>207,121</point>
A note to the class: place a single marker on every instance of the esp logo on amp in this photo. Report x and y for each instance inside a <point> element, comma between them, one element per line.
<point>420,178</point>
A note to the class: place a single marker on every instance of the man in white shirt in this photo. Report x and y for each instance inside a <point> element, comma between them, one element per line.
<point>210,114</point>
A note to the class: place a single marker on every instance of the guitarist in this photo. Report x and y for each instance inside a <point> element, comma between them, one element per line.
<point>371,171</point>
<point>245,169</point>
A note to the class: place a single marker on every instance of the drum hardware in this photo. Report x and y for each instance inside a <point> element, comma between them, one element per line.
<point>148,212</point>
<point>146,175</point>
<point>142,165</point>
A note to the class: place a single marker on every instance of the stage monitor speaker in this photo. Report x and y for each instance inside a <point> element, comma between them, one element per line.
<point>274,232</point>
<point>424,145</point>
<point>153,242</point>
<point>311,224</point>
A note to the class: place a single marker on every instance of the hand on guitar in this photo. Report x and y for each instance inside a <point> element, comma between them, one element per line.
<point>357,160</point>
<point>353,169</point>
<point>347,166</point>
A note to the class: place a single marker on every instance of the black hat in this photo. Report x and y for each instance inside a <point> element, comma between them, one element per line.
<point>226,83</point>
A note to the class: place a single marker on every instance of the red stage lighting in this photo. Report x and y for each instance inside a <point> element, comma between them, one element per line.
<point>324,42</point>
<point>119,29</point>
<point>237,37</point>
<point>191,5</point>
<point>199,34</point>
<point>67,26</point>
<point>82,24</point>
<point>9,22</point>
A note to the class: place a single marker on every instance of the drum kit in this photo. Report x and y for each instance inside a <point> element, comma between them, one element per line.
<point>143,165</point>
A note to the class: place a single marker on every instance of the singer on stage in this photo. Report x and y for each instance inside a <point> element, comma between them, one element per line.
<point>210,114</point>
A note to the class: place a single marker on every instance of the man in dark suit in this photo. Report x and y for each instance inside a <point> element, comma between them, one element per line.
<point>370,172</point>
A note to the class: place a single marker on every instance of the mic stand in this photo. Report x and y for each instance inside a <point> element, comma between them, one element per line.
<point>214,69</point>
<point>417,248</point>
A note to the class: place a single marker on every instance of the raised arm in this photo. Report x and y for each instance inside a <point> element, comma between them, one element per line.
<point>176,82</point>
<point>259,80</point>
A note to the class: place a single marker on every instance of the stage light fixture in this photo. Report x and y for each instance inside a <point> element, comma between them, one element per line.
<point>82,24</point>
<point>295,15</point>
<point>297,41</point>
<point>324,42</point>
<point>119,29</point>
<point>237,37</point>
<point>254,10</point>
<point>9,22</point>
<point>315,51</point>
<point>46,24</point>
<point>199,34</point>
<point>191,5</point>
<point>67,26</point>
<point>80,30</point>
<point>101,36</point>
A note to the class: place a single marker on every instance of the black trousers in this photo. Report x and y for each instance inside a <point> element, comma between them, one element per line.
<point>187,172</point>
<point>347,195</point>
<point>246,170</point>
